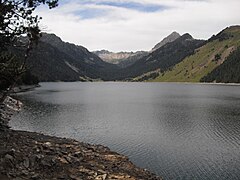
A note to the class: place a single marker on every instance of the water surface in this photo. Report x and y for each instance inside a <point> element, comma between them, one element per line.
<point>179,131</point>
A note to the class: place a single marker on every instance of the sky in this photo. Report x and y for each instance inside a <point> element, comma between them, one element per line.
<point>133,25</point>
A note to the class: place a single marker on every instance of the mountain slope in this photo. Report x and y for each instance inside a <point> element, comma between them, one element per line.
<point>88,63</point>
<point>55,60</point>
<point>205,59</point>
<point>162,58</point>
<point>228,72</point>
<point>49,64</point>
<point>172,37</point>
<point>122,59</point>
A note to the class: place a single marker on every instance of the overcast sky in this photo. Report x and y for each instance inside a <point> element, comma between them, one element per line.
<point>131,25</point>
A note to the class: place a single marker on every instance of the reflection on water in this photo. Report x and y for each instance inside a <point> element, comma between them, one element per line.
<point>179,131</point>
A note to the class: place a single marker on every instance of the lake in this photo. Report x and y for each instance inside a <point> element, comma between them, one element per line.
<point>178,131</point>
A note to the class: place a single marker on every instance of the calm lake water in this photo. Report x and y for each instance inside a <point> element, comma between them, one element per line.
<point>179,131</point>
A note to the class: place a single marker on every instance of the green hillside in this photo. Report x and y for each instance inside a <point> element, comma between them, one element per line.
<point>228,72</point>
<point>205,59</point>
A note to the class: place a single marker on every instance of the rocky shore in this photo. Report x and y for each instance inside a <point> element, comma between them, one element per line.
<point>27,155</point>
<point>7,109</point>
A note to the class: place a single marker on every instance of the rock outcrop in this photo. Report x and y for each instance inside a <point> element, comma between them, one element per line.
<point>7,108</point>
<point>172,37</point>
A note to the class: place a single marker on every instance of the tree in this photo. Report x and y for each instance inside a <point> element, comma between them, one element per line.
<point>217,57</point>
<point>16,20</point>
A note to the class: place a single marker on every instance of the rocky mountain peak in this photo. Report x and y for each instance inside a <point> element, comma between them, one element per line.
<point>114,57</point>
<point>186,36</point>
<point>170,38</point>
<point>103,51</point>
<point>51,38</point>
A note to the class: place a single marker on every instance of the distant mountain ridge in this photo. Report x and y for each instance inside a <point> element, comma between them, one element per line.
<point>112,57</point>
<point>122,59</point>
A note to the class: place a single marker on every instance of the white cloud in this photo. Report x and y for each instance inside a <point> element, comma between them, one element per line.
<point>126,29</point>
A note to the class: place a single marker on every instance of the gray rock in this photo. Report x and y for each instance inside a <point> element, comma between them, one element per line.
<point>26,163</point>
<point>9,157</point>
<point>35,177</point>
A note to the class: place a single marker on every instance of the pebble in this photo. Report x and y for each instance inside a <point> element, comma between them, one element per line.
<point>9,157</point>
<point>26,163</point>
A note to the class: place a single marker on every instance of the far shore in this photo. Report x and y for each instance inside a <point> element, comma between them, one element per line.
<point>198,83</point>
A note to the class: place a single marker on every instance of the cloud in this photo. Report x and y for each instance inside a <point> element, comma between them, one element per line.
<point>130,25</point>
<point>134,6</point>
<point>90,13</point>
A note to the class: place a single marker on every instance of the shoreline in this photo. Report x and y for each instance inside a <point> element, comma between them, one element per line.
<point>201,83</point>
<point>24,88</point>
<point>31,155</point>
<point>197,83</point>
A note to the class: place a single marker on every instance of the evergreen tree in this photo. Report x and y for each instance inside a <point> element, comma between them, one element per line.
<point>16,20</point>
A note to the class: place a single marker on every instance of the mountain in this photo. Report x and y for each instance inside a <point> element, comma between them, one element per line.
<point>122,59</point>
<point>162,58</point>
<point>172,37</point>
<point>125,59</point>
<point>228,72</point>
<point>182,60</point>
<point>205,59</point>
<point>55,60</point>
<point>112,57</point>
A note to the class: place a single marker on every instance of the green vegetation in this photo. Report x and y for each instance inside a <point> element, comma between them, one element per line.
<point>205,59</point>
<point>146,76</point>
<point>228,72</point>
